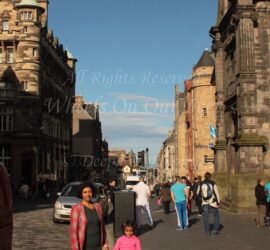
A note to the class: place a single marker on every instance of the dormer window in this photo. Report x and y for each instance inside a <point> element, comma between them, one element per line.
<point>5,25</point>
<point>26,15</point>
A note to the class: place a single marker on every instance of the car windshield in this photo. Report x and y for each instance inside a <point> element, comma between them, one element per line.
<point>71,190</point>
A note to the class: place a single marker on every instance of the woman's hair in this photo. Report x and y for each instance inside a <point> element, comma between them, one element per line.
<point>85,185</point>
<point>259,181</point>
<point>128,223</point>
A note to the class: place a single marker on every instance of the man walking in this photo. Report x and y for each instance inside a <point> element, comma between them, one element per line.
<point>142,202</point>
<point>210,203</point>
<point>179,195</point>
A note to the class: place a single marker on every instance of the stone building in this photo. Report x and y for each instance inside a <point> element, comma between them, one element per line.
<point>37,83</point>
<point>180,134</point>
<point>87,140</point>
<point>166,159</point>
<point>203,115</point>
<point>241,43</point>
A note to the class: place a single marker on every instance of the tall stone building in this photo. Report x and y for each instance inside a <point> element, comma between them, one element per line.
<point>199,117</point>
<point>241,43</point>
<point>87,141</point>
<point>180,133</point>
<point>203,115</point>
<point>37,83</point>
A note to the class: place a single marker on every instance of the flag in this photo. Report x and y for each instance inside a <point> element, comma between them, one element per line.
<point>212,132</point>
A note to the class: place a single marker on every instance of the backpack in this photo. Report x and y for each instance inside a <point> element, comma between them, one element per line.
<point>267,221</point>
<point>209,192</point>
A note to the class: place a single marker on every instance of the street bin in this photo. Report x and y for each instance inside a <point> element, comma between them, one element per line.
<point>6,211</point>
<point>124,209</point>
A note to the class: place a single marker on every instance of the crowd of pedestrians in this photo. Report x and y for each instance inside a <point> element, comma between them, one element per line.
<point>87,225</point>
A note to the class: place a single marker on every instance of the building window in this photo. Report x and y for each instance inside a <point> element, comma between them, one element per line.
<point>6,90</point>
<point>205,112</point>
<point>1,55</point>
<point>35,52</point>
<point>26,16</point>
<point>5,157</point>
<point>24,85</point>
<point>5,25</point>
<point>10,56</point>
<point>25,29</point>
<point>6,120</point>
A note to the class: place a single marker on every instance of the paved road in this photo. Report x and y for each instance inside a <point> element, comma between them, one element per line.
<point>239,232</point>
<point>34,229</point>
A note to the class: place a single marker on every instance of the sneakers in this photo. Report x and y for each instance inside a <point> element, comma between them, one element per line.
<point>186,227</point>
<point>217,232</point>
<point>178,228</point>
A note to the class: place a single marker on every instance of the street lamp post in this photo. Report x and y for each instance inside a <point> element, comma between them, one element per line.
<point>147,164</point>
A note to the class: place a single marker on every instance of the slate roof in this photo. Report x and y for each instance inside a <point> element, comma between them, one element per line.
<point>205,60</point>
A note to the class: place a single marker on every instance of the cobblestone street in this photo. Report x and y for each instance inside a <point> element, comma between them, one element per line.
<point>34,229</point>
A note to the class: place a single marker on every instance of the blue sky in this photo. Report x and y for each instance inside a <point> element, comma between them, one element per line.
<point>130,55</point>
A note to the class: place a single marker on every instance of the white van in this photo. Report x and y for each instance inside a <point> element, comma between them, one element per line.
<point>132,181</point>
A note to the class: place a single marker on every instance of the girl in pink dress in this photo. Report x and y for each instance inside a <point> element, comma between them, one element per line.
<point>128,241</point>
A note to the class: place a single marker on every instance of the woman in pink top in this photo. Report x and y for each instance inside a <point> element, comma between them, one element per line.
<point>128,241</point>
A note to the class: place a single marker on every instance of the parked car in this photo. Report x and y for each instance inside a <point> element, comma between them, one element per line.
<point>68,198</point>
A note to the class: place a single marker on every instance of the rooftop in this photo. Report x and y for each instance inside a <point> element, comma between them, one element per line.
<point>28,3</point>
<point>205,60</point>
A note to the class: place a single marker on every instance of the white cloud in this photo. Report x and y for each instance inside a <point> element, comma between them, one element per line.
<point>134,128</point>
<point>132,97</point>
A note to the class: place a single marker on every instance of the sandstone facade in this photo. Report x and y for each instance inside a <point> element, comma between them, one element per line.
<point>37,83</point>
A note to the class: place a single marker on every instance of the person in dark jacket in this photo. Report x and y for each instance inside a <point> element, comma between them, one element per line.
<point>260,202</point>
<point>165,196</point>
<point>197,197</point>
<point>6,210</point>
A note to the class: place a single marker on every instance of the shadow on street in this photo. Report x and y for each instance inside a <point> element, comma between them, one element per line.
<point>21,205</point>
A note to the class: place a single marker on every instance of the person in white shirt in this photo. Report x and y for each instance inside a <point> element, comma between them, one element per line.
<point>142,202</point>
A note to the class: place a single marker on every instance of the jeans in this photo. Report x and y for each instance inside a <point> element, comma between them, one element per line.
<point>181,211</point>
<point>207,209</point>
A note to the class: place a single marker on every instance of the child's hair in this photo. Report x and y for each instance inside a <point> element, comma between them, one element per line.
<point>128,223</point>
